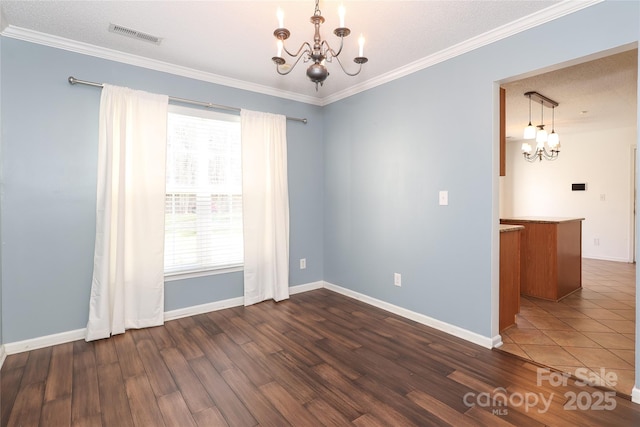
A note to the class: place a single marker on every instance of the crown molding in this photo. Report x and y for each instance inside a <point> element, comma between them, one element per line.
<point>152,64</point>
<point>541,17</point>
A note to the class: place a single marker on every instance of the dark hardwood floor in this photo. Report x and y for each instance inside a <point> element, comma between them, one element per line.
<point>317,359</point>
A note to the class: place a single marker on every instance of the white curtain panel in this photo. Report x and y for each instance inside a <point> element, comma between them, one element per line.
<point>265,206</point>
<point>127,290</point>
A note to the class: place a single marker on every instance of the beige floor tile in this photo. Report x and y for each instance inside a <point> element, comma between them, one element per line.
<point>526,302</point>
<point>544,304</point>
<point>568,313</point>
<point>628,356</point>
<point>622,326</point>
<point>597,358</point>
<point>571,338</point>
<point>548,323</point>
<point>514,349</point>
<point>614,304</point>
<point>601,313</point>
<point>534,310</point>
<point>579,303</point>
<point>529,336</point>
<point>589,294</point>
<point>587,325</point>
<point>523,323</point>
<point>550,355</point>
<point>599,338</point>
<point>506,339</point>
<point>611,341</point>
<point>593,377</point>
<point>625,314</point>
<point>625,381</point>
<point>622,297</point>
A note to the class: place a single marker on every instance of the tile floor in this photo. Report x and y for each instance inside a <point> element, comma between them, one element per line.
<point>593,328</point>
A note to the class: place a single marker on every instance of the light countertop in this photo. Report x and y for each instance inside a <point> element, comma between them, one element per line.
<point>540,219</point>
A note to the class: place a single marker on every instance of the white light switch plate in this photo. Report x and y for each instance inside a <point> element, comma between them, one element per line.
<point>444,198</point>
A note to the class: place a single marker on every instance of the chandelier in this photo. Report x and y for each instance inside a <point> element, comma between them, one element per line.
<point>319,52</point>
<point>543,139</point>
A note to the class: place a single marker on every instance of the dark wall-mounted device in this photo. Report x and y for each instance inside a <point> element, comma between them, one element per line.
<point>578,187</point>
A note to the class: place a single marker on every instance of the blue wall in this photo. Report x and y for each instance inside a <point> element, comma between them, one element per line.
<point>363,191</point>
<point>49,157</point>
<point>389,151</point>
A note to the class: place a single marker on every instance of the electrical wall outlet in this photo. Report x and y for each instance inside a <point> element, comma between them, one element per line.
<point>596,241</point>
<point>303,263</point>
<point>397,279</point>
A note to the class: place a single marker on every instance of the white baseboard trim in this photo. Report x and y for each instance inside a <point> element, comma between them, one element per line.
<point>298,289</point>
<point>497,341</point>
<point>203,308</point>
<point>46,341</point>
<point>417,317</point>
<point>80,334</point>
<point>231,302</point>
<point>3,355</point>
<point>635,395</point>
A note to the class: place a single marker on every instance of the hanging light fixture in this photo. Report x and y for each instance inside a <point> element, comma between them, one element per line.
<point>319,52</point>
<point>541,134</point>
<point>530,130</point>
<point>554,138</point>
<point>543,139</point>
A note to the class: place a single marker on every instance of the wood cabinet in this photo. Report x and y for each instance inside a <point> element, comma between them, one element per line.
<point>503,132</point>
<point>550,256</point>
<point>509,274</point>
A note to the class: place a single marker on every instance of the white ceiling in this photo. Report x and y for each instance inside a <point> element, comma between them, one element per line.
<point>600,93</point>
<point>231,42</point>
<point>234,39</point>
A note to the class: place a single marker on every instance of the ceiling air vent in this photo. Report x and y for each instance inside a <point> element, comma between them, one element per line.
<point>128,32</point>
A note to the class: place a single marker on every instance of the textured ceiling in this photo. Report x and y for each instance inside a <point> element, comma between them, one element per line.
<point>234,39</point>
<point>601,93</point>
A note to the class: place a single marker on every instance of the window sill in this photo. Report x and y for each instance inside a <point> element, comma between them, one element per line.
<point>170,277</point>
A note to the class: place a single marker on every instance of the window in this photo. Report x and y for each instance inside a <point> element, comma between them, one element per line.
<point>203,209</point>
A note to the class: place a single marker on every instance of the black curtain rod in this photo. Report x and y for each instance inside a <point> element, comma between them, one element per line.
<point>72,80</point>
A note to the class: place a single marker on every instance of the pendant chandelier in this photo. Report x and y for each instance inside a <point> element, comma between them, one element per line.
<point>543,139</point>
<point>319,52</point>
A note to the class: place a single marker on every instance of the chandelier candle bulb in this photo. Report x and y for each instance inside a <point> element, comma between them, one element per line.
<point>341,13</point>
<point>280,15</point>
<point>361,45</point>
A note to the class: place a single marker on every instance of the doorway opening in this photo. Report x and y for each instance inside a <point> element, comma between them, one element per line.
<point>593,328</point>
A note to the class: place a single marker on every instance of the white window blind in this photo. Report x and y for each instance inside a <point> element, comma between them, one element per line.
<point>203,211</point>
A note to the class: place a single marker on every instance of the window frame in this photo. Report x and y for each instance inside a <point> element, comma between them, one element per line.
<point>207,271</point>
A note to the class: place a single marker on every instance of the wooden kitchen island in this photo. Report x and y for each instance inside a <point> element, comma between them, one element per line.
<point>550,256</point>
